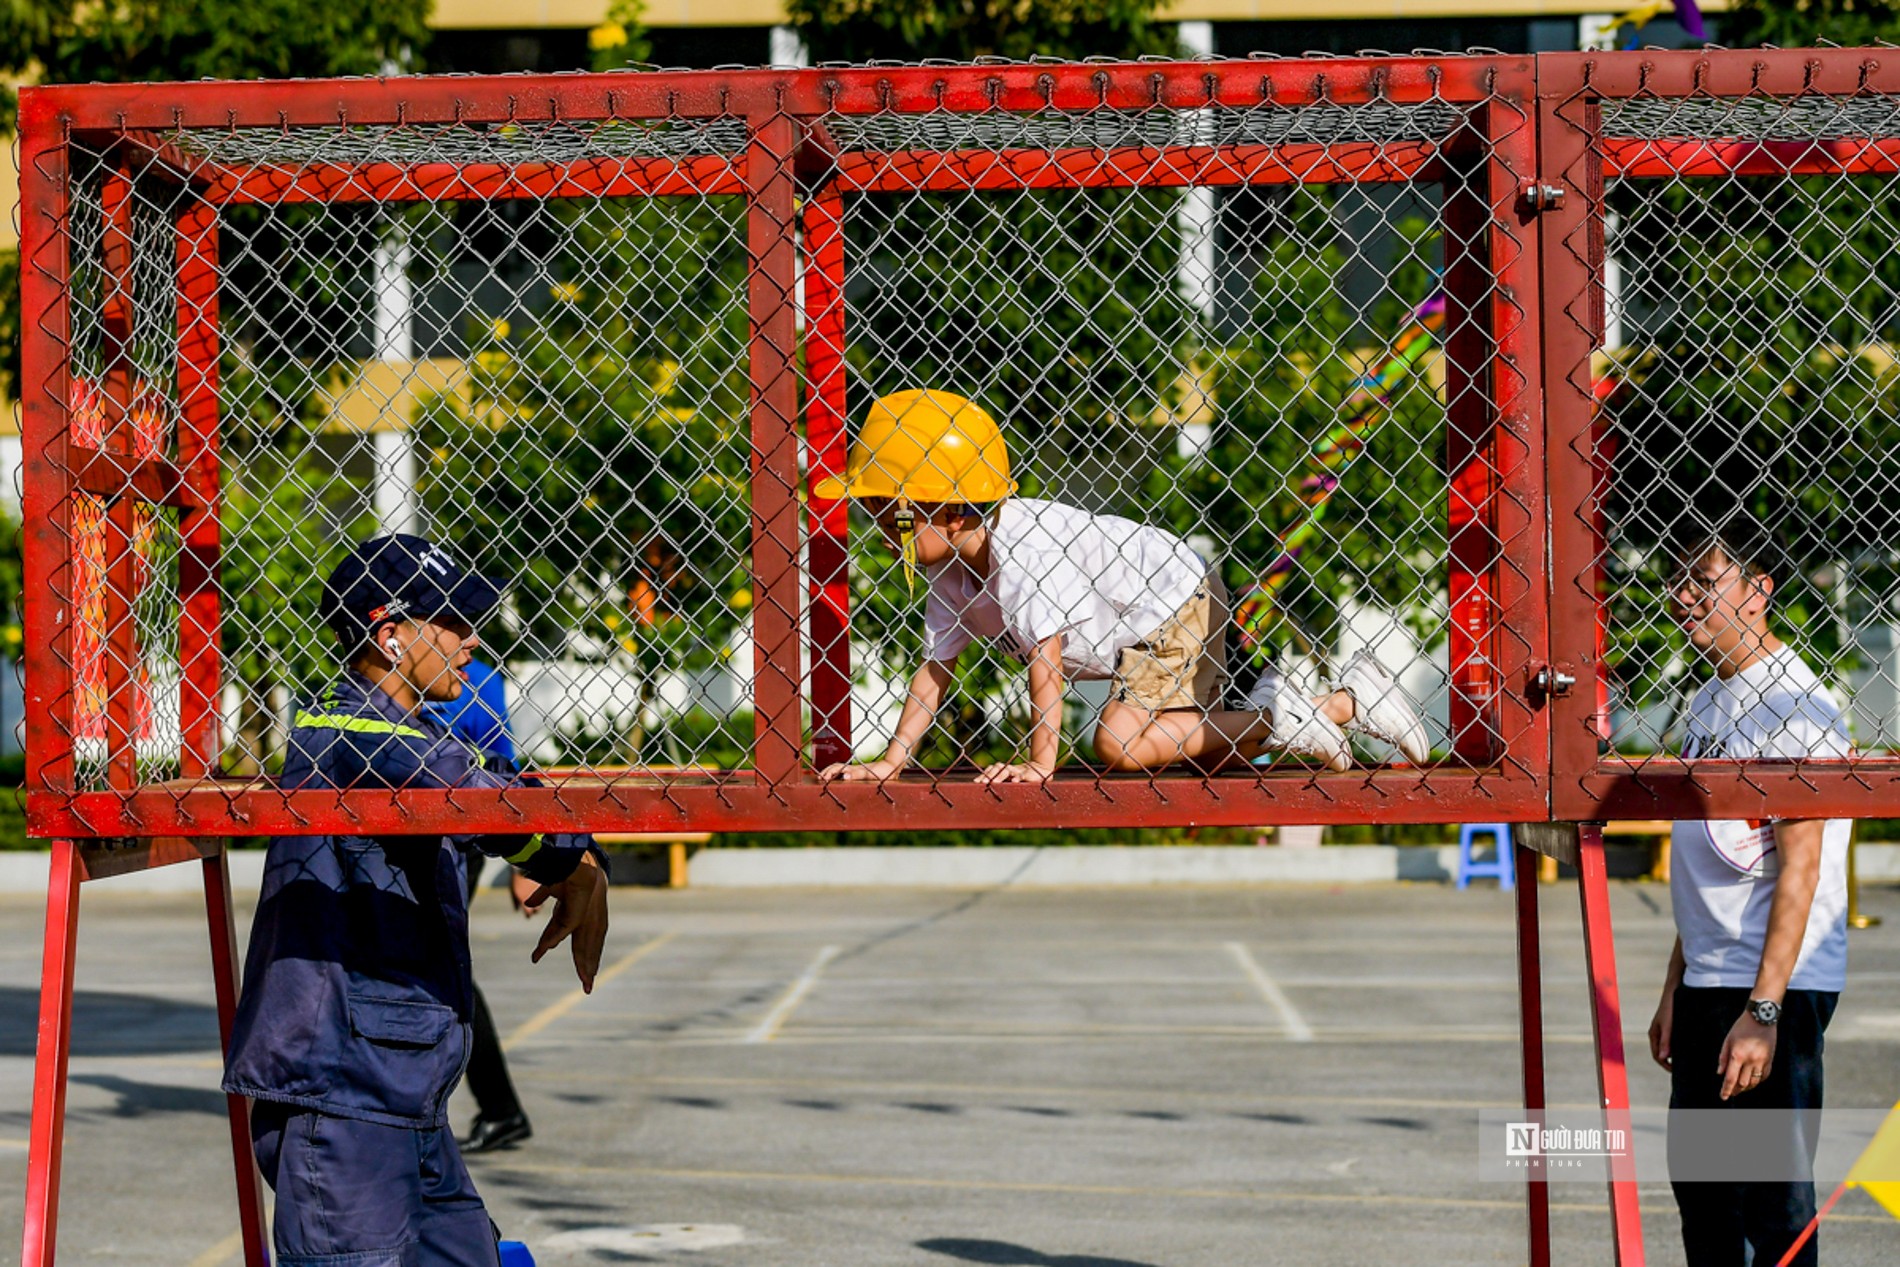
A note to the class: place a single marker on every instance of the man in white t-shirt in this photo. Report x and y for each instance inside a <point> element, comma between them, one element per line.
<point>1074,595</point>
<point>1761,923</point>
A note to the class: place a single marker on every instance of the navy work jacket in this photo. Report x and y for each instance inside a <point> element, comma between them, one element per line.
<point>357,993</point>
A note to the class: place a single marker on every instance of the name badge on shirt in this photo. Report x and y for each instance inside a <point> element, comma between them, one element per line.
<point>1743,843</point>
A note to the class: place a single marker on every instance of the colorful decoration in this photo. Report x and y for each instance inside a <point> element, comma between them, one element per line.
<point>1362,411</point>
<point>1685,12</point>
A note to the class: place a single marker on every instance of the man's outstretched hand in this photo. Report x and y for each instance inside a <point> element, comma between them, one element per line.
<point>580,912</point>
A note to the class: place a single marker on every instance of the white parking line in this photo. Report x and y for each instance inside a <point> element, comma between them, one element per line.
<point>567,1002</point>
<point>221,1253</point>
<point>767,1029</point>
<point>1290,1019</point>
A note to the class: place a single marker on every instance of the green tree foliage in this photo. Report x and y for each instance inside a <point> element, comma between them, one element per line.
<point>127,41</point>
<point>1277,388</point>
<point>868,30</point>
<point>1849,23</point>
<point>123,41</point>
<point>1758,377</point>
<point>609,424</point>
<point>271,532</point>
<point>275,539</point>
<point>1057,310</point>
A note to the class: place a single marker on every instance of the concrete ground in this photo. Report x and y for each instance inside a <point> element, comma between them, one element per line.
<point>1106,1078</point>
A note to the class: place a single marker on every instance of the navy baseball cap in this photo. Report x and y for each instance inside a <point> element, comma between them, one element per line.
<point>400,577</point>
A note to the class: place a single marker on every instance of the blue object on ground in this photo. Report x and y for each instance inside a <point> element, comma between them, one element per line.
<point>515,1254</point>
<point>1503,868</point>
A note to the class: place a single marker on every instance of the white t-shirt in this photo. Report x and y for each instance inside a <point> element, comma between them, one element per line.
<point>1103,582</point>
<point>1722,872</point>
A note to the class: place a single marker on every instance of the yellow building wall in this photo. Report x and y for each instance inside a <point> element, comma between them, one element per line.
<point>516,14</point>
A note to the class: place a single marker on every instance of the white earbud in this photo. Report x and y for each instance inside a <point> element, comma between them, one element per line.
<point>394,649</point>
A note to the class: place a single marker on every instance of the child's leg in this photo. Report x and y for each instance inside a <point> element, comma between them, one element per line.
<point>1129,737</point>
<point>1161,713</point>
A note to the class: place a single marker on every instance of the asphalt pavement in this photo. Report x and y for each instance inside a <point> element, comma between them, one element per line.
<point>1168,1077</point>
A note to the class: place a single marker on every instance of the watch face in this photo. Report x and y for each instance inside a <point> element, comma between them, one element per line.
<point>1765,1010</point>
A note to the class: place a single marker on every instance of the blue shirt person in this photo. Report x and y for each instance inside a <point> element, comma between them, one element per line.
<point>479,716</point>
<point>353,1023</point>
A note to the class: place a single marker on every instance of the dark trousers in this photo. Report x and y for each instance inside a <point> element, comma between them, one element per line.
<point>488,1079</point>
<point>1720,1219</point>
<point>359,1194</point>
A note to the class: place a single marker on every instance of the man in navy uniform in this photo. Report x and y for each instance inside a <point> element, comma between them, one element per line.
<point>353,1025</point>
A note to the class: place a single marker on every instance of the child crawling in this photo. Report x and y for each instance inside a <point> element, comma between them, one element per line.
<point>1083,596</point>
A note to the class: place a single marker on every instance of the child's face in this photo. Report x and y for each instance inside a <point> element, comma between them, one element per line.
<point>936,529</point>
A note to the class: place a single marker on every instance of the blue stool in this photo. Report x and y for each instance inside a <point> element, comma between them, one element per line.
<point>1503,868</point>
<point>515,1254</point>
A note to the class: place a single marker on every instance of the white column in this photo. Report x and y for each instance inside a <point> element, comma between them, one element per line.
<point>1596,31</point>
<point>1194,272</point>
<point>395,297</point>
<point>788,48</point>
<point>12,461</point>
<point>1612,284</point>
<point>394,495</point>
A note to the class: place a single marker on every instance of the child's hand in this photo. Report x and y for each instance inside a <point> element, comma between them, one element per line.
<point>1005,772</point>
<point>869,772</point>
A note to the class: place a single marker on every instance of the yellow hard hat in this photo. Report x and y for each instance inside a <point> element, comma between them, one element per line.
<point>928,447</point>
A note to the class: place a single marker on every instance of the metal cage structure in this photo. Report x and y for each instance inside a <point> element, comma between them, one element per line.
<point>1425,357</point>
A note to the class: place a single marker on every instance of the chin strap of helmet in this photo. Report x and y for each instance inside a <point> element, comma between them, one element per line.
<point>907,534</point>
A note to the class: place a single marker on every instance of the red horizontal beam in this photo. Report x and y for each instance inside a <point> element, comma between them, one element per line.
<point>901,172</point>
<point>153,480</point>
<point>737,802</point>
<point>446,182</point>
<point>1627,157</point>
<point>1666,788</point>
<point>907,171</point>
<point>486,99</point>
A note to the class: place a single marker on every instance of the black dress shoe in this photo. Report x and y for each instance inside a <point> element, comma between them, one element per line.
<point>489,1133</point>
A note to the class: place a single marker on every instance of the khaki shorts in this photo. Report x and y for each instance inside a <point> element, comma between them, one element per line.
<point>1184,665</point>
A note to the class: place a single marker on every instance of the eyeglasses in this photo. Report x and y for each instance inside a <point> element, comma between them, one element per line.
<point>1693,589</point>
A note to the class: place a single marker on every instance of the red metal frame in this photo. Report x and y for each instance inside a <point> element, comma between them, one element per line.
<point>1524,299</point>
<point>1498,547</point>
<point>825,440</point>
<point>1577,159</point>
<point>47,1133</point>
<point>1530,1024</point>
<point>1606,1019</point>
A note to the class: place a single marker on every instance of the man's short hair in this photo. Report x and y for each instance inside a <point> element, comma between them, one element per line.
<point>1743,540</point>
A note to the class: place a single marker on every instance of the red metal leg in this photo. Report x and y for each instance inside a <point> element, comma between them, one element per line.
<point>1530,1021</point>
<point>829,615</point>
<point>47,1137</point>
<point>778,597</point>
<point>1606,1015</point>
<point>224,972</point>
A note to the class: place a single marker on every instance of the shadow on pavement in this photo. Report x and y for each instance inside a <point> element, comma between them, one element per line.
<point>1002,1252</point>
<point>111,1024</point>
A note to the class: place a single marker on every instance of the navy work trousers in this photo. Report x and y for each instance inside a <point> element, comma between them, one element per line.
<point>1720,1219</point>
<point>360,1194</point>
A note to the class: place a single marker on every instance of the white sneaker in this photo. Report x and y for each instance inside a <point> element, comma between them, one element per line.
<point>1266,690</point>
<point>1381,710</point>
<point>1298,726</point>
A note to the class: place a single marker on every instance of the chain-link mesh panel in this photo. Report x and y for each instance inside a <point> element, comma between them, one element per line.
<point>1253,520</point>
<point>1746,442</point>
<point>1193,360</point>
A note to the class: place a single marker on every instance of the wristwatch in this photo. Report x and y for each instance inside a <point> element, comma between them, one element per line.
<point>1765,1011</point>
